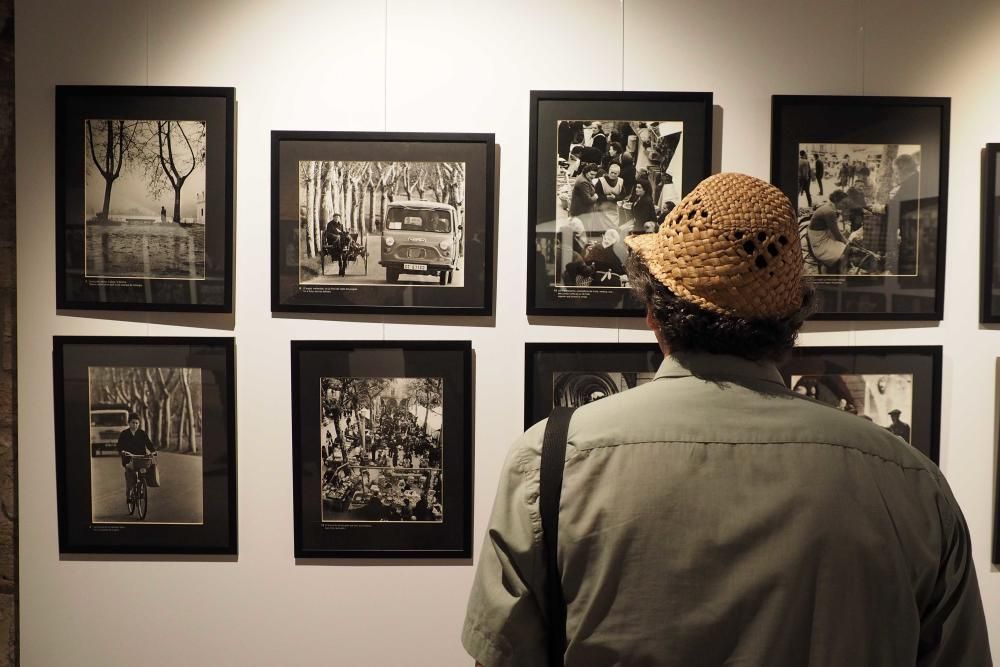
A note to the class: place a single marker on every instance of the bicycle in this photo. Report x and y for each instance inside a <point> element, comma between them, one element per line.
<point>137,499</point>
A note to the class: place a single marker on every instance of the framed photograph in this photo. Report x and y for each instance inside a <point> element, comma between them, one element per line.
<point>382,449</point>
<point>145,445</point>
<point>990,299</point>
<point>377,222</point>
<point>869,179</point>
<point>898,388</point>
<point>144,198</point>
<point>574,374</point>
<point>604,165</point>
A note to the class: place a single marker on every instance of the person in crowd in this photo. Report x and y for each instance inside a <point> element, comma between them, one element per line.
<point>613,156</point>
<point>844,175</point>
<point>606,268</point>
<point>599,140</point>
<point>627,172</point>
<point>701,515</point>
<point>584,197</point>
<point>827,242</point>
<point>805,177</point>
<point>898,427</point>
<point>610,190</point>
<point>819,169</point>
<point>643,210</point>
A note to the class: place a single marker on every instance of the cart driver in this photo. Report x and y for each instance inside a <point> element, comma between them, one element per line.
<point>134,441</point>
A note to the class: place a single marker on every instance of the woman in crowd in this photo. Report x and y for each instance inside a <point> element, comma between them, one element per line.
<point>643,210</point>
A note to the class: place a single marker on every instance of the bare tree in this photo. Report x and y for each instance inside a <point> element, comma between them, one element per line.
<point>110,152</point>
<point>170,151</point>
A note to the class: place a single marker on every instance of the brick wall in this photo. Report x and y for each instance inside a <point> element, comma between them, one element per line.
<point>8,350</point>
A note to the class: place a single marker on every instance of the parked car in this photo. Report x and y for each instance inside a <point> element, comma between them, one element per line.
<point>107,421</point>
<point>422,238</point>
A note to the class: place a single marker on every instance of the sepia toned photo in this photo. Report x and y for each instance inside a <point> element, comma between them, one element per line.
<point>146,445</point>
<point>575,388</point>
<point>613,178</point>
<point>885,399</point>
<point>381,223</point>
<point>144,198</point>
<point>381,451</point>
<point>858,208</point>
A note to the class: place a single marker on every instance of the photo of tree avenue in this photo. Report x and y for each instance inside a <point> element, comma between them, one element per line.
<point>381,449</point>
<point>613,178</point>
<point>381,223</point>
<point>144,199</point>
<point>575,388</point>
<point>858,208</point>
<point>884,399</point>
<point>141,410</point>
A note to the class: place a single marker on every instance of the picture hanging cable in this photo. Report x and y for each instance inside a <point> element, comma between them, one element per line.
<point>147,42</point>
<point>385,79</point>
<point>622,3</point>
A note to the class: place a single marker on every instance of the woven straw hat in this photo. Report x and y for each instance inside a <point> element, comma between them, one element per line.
<point>730,246</point>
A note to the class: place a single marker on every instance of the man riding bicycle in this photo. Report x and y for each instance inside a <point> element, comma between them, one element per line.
<point>133,441</point>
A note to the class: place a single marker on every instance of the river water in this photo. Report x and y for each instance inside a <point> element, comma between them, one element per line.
<point>145,250</point>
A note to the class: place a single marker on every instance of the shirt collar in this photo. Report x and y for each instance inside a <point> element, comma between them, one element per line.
<point>718,367</point>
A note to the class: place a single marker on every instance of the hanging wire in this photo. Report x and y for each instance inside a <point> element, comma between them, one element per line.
<point>385,70</point>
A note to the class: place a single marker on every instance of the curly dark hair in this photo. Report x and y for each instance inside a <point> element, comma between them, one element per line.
<point>689,327</point>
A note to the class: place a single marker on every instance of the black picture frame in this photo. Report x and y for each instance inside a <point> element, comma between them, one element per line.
<point>569,373</point>
<point>889,195</point>
<point>989,311</point>
<point>691,111</point>
<point>194,510</point>
<point>367,285</point>
<point>918,399</point>
<point>335,517</point>
<point>121,255</point>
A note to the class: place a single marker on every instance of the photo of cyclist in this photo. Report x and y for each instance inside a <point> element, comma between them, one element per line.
<point>136,442</point>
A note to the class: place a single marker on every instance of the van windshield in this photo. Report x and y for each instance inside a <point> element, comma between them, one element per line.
<point>418,220</point>
<point>109,419</point>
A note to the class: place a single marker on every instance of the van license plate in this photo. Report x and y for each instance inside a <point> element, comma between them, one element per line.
<point>415,267</point>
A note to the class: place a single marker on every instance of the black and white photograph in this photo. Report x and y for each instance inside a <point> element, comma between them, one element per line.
<point>144,197</point>
<point>605,166</point>
<point>989,311</point>
<point>851,206</point>
<point>572,389</point>
<point>896,387</point>
<point>886,400</point>
<point>614,179</point>
<point>575,374</point>
<point>381,451</point>
<point>379,222</point>
<point>146,444</point>
<point>868,179</point>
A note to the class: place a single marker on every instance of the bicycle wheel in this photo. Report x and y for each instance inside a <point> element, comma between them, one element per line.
<point>130,500</point>
<point>141,497</point>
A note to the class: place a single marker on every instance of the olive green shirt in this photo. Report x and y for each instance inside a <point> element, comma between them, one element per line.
<point>713,517</point>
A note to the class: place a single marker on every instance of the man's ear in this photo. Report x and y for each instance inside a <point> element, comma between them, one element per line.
<point>650,321</point>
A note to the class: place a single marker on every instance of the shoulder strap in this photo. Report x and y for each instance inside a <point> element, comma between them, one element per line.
<point>549,494</point>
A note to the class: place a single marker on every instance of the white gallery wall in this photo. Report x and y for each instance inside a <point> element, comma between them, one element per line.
<point>444,66</point>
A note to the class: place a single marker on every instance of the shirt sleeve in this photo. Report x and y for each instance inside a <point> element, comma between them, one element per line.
<point>953,624</point>
<point>505,620</point>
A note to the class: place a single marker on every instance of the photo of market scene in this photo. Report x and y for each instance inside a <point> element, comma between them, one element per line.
<point>381,449</point>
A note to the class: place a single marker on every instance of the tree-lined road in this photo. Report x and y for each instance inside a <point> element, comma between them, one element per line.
<point>376,272</point>
<point>177,500</point>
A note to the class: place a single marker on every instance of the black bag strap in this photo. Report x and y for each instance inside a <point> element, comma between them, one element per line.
<point>549,494</point>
